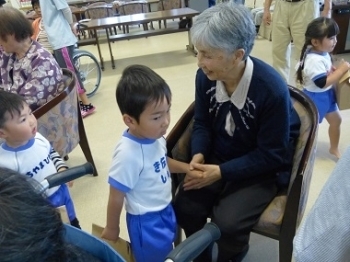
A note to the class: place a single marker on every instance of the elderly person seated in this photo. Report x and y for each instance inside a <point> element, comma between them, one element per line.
<point>244,132</point>
<point>26,67</point>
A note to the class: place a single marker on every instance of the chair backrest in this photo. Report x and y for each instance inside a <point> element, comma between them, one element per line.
<point>169,4</point>
<point>282,216</point>
<point>58,118</point>
<point>98,10</point>
<point>133,7</point>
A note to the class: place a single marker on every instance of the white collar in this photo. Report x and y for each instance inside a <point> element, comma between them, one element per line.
<point>239,96</point>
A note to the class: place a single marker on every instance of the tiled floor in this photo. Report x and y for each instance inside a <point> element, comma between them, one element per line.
<point>167,55</point>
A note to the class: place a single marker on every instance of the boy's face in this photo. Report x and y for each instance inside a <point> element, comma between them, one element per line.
<point>19,129</point>
<point>154,121</point>
<point>37,10</point>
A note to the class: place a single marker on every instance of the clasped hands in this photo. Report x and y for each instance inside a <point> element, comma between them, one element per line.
<point>200,174</point>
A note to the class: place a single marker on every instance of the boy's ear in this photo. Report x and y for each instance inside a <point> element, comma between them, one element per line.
<point>129,120</point>
<point>2,133</point>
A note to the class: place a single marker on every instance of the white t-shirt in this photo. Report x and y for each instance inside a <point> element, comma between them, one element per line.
<point>57,28</point>
<point>316,65</point>
<point>32,159</point>
<point>140,169</point>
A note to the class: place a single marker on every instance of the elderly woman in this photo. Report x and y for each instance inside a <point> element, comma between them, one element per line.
<point>243,135</point>
<point>26,67</point>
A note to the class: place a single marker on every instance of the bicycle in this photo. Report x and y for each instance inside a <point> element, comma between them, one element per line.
<point>87,64</point>
<point>89,70</point>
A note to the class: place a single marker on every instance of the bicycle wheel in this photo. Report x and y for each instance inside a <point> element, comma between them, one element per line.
<point>89,70</point>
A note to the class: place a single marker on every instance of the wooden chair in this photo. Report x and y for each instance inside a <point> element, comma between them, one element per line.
<point>283,215</point>
<point>131,8</point>
<point>60,121</point>
<point>167,5</point>
<point>99,10</point>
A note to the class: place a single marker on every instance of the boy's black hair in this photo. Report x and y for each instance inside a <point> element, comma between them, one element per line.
<point>11,103</point>
<point>35,2</point>
<point>138,86</point>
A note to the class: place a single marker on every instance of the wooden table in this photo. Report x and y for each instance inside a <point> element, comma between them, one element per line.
<point>144,18</point>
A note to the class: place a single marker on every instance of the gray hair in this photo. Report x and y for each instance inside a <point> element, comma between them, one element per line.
<point>227,27</point>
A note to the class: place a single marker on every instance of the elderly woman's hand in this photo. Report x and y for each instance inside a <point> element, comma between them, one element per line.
<point>197,158</point>
<point>211,174</point>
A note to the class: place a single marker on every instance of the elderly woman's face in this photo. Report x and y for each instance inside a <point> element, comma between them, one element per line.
<point>8,44</point>
<point>216,64</point>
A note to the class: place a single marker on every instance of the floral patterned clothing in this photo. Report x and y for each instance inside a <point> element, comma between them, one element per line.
<point>37,76</point>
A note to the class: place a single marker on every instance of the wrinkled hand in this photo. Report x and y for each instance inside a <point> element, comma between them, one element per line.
<point>208,175</point>
<point>111,234</point>
<point>267,18</point>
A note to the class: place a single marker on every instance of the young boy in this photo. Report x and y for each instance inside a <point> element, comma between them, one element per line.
<point>26,151</point>
<point>140,168</point>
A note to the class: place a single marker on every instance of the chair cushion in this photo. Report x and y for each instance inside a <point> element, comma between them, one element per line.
<point>271,219</point>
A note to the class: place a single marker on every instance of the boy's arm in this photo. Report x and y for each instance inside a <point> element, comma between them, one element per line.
<point>177,166</point>
<point>57,160</point>
<point>181,167</point>
<point>114,209</point>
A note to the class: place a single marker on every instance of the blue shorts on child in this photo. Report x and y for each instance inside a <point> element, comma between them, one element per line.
<point>326,102</point>
<point>62,197</point>
<point>152,234</point>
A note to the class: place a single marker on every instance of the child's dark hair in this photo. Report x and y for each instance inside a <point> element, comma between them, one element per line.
<point>11,103</point>
<point>138,86</point>
<point>30,228</point>
<point>318,29</point>
<point>34,2</point>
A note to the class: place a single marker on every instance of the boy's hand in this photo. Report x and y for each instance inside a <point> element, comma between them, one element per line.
<point>62,169</point>
<point>70,183</point>
<point>111,234</point>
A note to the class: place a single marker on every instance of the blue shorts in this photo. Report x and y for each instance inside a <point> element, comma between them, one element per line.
<point>152,234</point>
<point>62,197</point>
<point>325,102</point>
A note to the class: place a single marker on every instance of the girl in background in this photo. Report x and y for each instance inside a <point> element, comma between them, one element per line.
<point>318,76</point>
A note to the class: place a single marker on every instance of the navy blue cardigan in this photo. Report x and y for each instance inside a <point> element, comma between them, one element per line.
<point>266,128</point>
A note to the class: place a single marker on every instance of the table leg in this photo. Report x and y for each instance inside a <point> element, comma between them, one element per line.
<point>110,48</point>
<point>150,10</point>
<point>99,49</point>
<point>190,45</point>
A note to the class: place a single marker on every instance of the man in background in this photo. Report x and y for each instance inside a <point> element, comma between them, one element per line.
<point>290,19</point>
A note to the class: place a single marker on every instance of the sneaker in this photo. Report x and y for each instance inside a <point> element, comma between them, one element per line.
<point>86,110</point>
